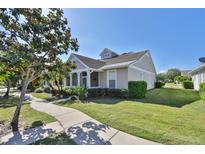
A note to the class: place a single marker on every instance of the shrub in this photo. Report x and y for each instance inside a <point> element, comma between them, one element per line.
<point>47,89</point>
<point>77,91</point>
<point>105,92</point>
<point>159,84</point>
<point>188,85</point>
<point>80,92</point>
<point>137,89</point>
<point>38,90</point>
<point>202,91</point>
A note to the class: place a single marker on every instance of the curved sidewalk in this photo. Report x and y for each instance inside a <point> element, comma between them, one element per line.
<point>84,130</point>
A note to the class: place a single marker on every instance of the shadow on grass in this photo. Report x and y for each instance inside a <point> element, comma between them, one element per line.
<point>28,136</point>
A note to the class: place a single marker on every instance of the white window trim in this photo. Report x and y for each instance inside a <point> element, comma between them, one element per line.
<point>115,77</point>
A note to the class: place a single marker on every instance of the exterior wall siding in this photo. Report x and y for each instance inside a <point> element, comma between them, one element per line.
<point>138,75</point>
<point>122,78</point>
<point>198,79</point>
<point>146,63</point>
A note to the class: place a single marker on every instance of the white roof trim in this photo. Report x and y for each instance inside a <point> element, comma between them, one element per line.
<point>118,65</point>
<point>197,69</point>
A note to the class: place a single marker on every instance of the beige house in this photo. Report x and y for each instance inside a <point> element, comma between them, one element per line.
<point>112,70</point>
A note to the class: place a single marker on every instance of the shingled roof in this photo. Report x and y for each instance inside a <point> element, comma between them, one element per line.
<point>90,62</point>
<point>126,57</point>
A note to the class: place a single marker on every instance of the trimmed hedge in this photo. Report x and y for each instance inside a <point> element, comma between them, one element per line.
<point>159,84</point>
<point>202,91</point>
<point>137,89</point>
<point>188,85</point>
<point>106,92</point>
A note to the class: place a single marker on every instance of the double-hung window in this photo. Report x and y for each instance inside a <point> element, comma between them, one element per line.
<point>112,78</point>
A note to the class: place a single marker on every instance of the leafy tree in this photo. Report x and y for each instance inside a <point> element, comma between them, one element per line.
<point>172,73</point>
<point>31,42</point>
<point>161,77</point>
<point>8,78</point>
<point>57,73</point>
<point>182,78</point>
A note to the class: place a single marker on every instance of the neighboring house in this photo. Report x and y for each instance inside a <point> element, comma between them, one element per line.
<point>112,70</point>
<point>198,76</point>
<point>185,73</point>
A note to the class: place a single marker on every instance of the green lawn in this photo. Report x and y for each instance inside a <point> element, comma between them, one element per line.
<point>28,116</point>
<point>56,139</point>
<point>171,97</point>
<point>173,85</point>
<point>46,96</point>
<point>159,119</point>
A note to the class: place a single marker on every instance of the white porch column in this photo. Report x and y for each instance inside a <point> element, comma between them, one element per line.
<point>88,79</point>
<point>70,79</point>
<point>78,78</point>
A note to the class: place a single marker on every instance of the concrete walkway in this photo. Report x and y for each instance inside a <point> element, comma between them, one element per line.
<point>83,129</point>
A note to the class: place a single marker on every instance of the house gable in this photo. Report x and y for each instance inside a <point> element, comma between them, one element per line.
<point>107,54</point>
<point>145,63</point>
<point>79,63</point>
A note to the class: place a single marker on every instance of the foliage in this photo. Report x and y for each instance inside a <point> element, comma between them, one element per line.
<point>47,89</point>
<point>172,73</point>
<point>81,92</point>
<point>8,78</point>
<point>202,91</point>
<point>39,90</point>
<point>161,77</point>
<point>57,73</point>
<point>31,42</point>
<point>159,84</point>
<point>188,85</point>
<point>137,89</point>
<point>180,78</point>
<point>106,92</point>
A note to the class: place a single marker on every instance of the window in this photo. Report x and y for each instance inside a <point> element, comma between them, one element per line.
<point>94,79</point>
<point>112,79</point>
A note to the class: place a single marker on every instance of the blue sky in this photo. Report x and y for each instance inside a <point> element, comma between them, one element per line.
<point>175,37</point>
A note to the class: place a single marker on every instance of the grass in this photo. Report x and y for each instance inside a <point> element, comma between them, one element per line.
<point>56,139</point>
<point>30,117</point>
<point>46,96</point>
<point>171,97</point>
<point>161,121</point>
<point>173,85</point>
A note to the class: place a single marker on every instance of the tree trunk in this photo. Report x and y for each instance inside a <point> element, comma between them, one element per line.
<point>8,89</point>
<point>52,88</point>
<point>15,120</point>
